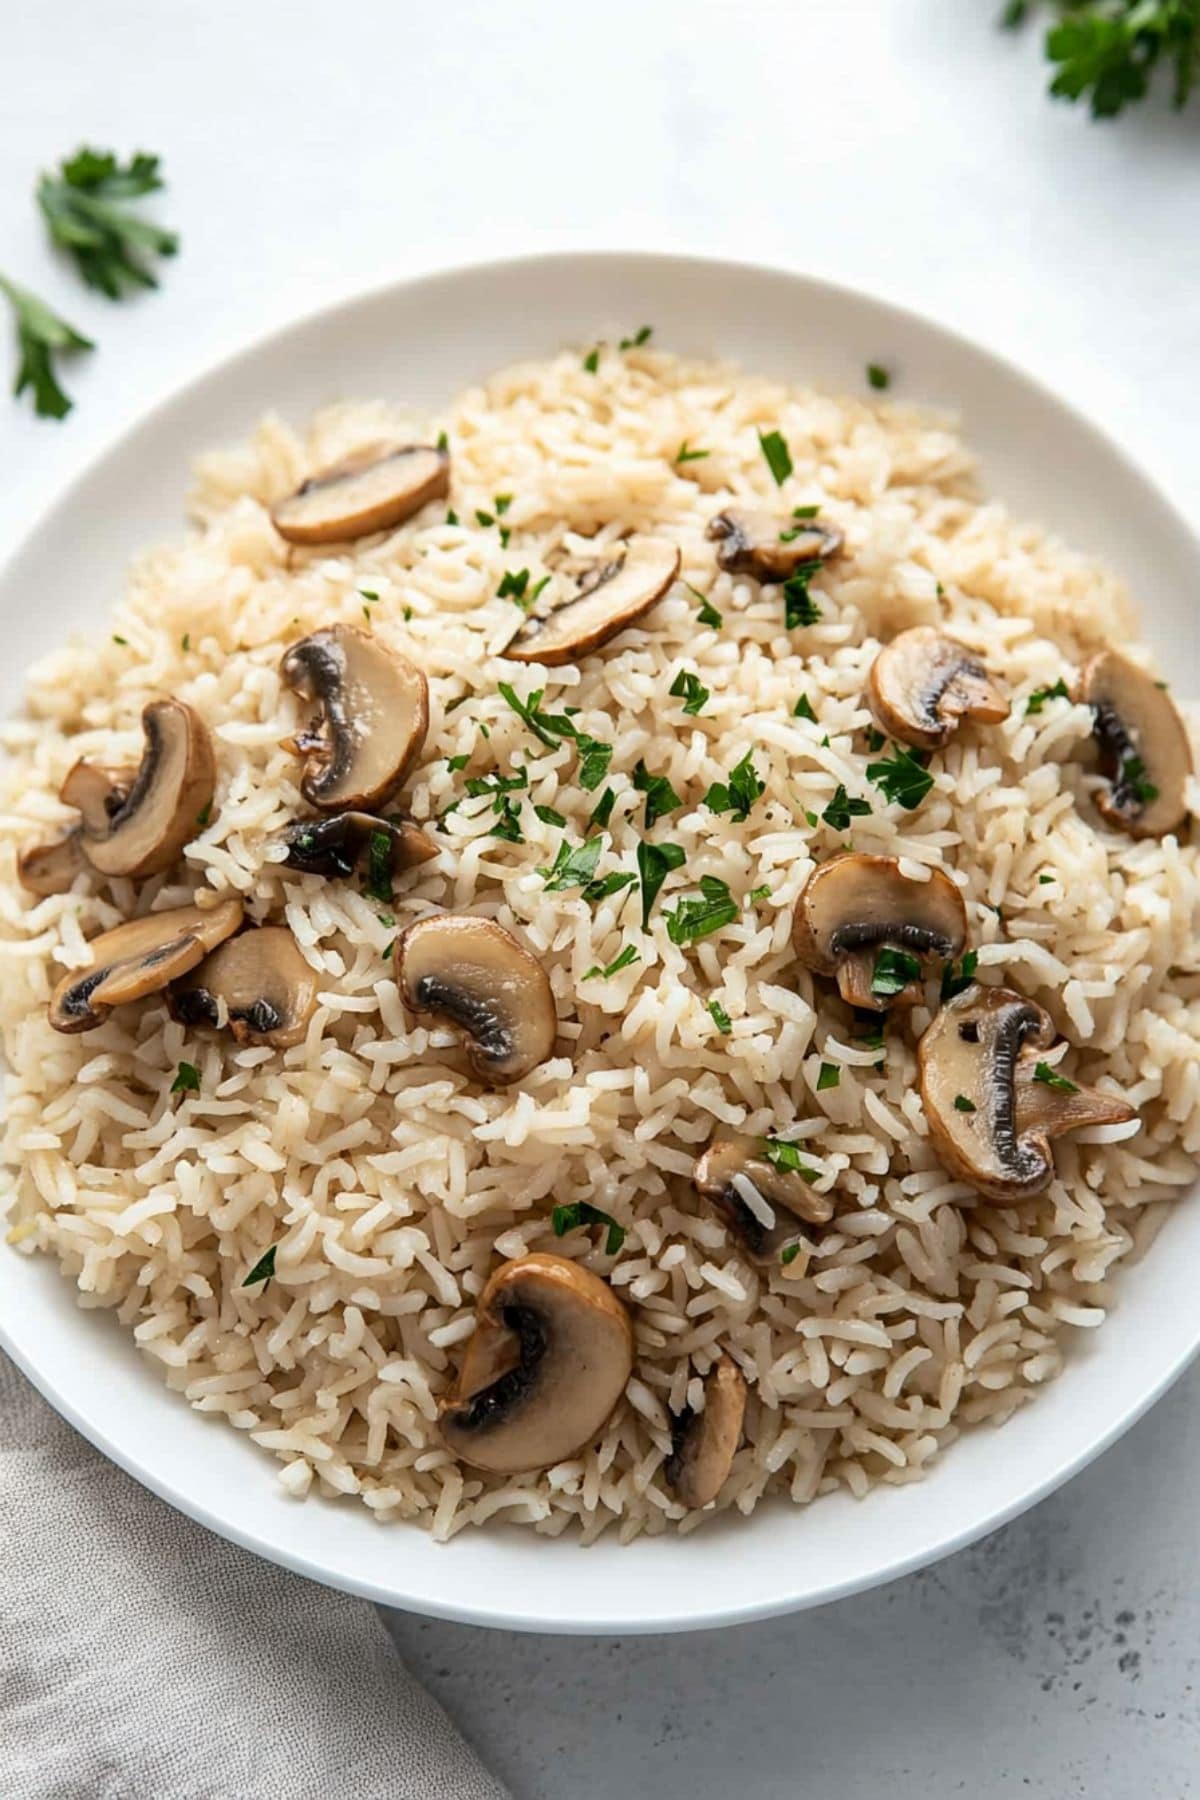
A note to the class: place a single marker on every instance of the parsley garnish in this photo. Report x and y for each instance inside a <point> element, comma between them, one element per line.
<point>41,335</point>
<point>799,607</point>
<point>902,779</point>
<point>739,793</point>
<point>451,516</point>
<point>695,919</point>
<point>875,740</point>
<point>783,1155</point>
<point>720,1017</point>
<point>878,376</point>
<point>962,1104</point>
<point>1131,780</point>
<point>1109,49</point>
<point>502,502</point>
<point>548,816</point>
<point>443,442</point>
<point>204,815</point>
<point>548,727</point>
<point>591,361</point>
<point>894,969</point>
<point>655,862</point>
<point>602,811</point>
<point>689,688</point>
<point>508,825</point>
<point>263,1269</point>
<point>573,867</point>
<point>594,758</point>
<point>789,1253</point>
<point>812,819</point>
<point>661,797</point>
<point>1050,1078</point>
<point>117,639</point>
<point>1039,696</point>
<point>582,1212</point>
<point>86,207</point>
<point>842,809</point>
<point>803,710</point>
<point>187,1079</point>
<point>828,1076</point>
<point>707,614</point>
<point>957,981</point>
<point>595,891</point>
<point>776,454</point>
<point>630,954</point>
<point>513,584</point>
<point>641,336</point>
<point>686,454</point>
<point>1045,880</point>
<point>806,512</point>
<point>456,764</point>
<point>757,894</point>
<point>185,642</point>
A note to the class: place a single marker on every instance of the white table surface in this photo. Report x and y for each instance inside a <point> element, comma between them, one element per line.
<point>902,144</point>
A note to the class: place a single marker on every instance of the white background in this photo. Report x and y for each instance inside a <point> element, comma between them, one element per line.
<point>905,145</point>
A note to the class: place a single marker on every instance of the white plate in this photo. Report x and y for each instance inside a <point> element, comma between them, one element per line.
<point>419,342</point>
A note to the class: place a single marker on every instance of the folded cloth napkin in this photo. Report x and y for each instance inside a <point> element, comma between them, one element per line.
<point>142,1658</point>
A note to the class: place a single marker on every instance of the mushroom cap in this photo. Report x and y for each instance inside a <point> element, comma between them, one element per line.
<point>703,1444</point>
<point>166,802</point>
<point>748,1191</point>
<point>475,975</point>
<point>270,993</point>
<point>52,868</point>
<point>1144,748</point>
<point>611,597</point>
<point>768,547</point>
<point>97,792</point>
<point>552,1351</point>
<point>855,905</point>
<point>982,1049</point>
<point>923,684</point>
<point>374,713</point>
<point>342,843</point>
<point>370,491</point>
<point>139,958</point>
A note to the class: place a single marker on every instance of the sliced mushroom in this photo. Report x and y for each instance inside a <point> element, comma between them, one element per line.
<point>923,684</point>
<point>768,547</point>
<point>374,713</point>
<point>749,1192</point>
<point>991,1115</point>
<point>703,1445</point>
<point>354,841</point>
<point>855,907</point>
<point>370,491</point>
<point>475,975</point>
<point>140,958</point>
<point>52,868</point>
<point>168,802</point>
<point>609,598</point>
<point>1144,749</point>
<point>97,792</point>
<point>552,1351</point>
<point>268,990</point>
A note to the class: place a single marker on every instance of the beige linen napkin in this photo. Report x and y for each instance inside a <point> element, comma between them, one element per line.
<point>142,1658</point>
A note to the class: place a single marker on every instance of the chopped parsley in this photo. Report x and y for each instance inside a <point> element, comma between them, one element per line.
<point>803,710</point>
<point>547,727</point>
<point>187,1079</point>
<point>1050,1078</point>
<point>379,866</point>
<point>812,819</point>
<point>757,894</point>
<point>263,1269</point>
<point>451,516</point>
<point>1045,880</point>
<point>602,811</point>
<point>573,868</point>
<point>120,640</point>
<point>479,787</point>
<point>799,607</point>
<point>957,981</point>
<point>694,919</point>
<point>828,1076</point>
<point>185,642</point>
<point>782,1155</point>
<point>655,862</point>
<point>508,824</point>
<point>630,954</point>
<point>691,690</point>
<point>707,614</point>
<point>1131,780</point>
<point>686,454</point>
<point>582,1212</point>
<point>1039,696</point>
<point>661,797</point>
<point>776,454</point>
<point>789,1253</point>
<point>483,518</point>
<point>875,740</point>
<point>720,1017</point>
<point>548,816</point>
<point>902,778</point>
<point>805,512</point>
<point>878,376</point>
<point>594,758</point>
<point>456,764</point>
<point>512,586</point>
<point>894,969</point>
<point>502,502</point>
<point>204,815</point>
<point>962,1104</point>
<point>641,336</point>
<point>841,809</point>
<point>595,891</point>
<point>738,794</point>
<point>591,361</point>
<point>443,442</point>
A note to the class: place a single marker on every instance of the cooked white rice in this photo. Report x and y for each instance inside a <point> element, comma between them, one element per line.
<point>391,1181</point>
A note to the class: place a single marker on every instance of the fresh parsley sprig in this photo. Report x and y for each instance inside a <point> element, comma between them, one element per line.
<point>582,1212</point>
<point>902,778</point>
<point>41,336</point>
<point>1109,51</point>
<point>739,793</point>
<point>88,205</point>
<point>698,918</point>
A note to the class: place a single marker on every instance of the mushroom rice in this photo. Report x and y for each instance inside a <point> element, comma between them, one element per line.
<point>523,1017</point>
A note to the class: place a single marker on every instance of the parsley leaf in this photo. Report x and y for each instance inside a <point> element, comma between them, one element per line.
<point>87,208</point>
<point>512,586</point>
<point>263,1269</point>
<point>573,867</point>
<point>379,866</point>
<point>684,454</point>
<point>1039,696</point>
<point>548,728</point>
<point>878,376</point>
<point>595,891</point>
<point>739,793</point>
<point>903,779</point>
<point>689,688</point>
<point>594,758</point>
<point>694,919</point>
<point>957,981</point>
<point>582,1212</point>
<point>842,809</point>
<point>602,811</point>
<point>962,1104</point>
<point>508,825</point>
<point>789,1253</point>
<point>803,710</point>
<point>640,337</point>
<point>187,1079</point>
<point>707,614</point>
<point>548,816</point>
<point>655,862</point>
<point>720,1017</point>
<point>1109,50</point>
<point>1050,1078</point>
<point>1131,780</point>
<point>661,797</point>
<point>591,361</point>
<point>894,969</point>
<point>828,1076</point>
<point>776,454</point>
<point>41,335</point>
<point>630,954</point>
<point>782,1155</point>
<point>799,607</point>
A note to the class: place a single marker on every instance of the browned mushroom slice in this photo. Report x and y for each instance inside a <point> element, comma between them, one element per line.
<point>1144,749</point>
<point>268,990</point>
<point>552,1351</point>
<point>876,929</point>
<point>97,792</point>
<point>923,684</point>
<point>168,802</point>
<point>610,598</point>
<point>52,868</point>
<point>374,713</point>
<point>703,1444</point>
<point>476,976</point>
<point>370,491</point>
<point>748,1183</point>
<point>140,958</point>
<point>992,1105</point>
<point>352,842</point>
<point>767,547</point>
